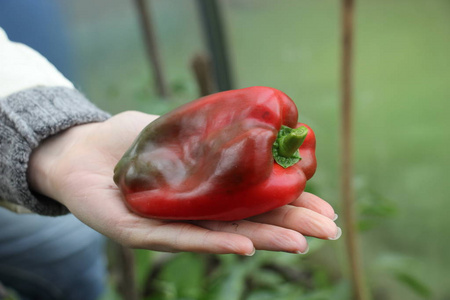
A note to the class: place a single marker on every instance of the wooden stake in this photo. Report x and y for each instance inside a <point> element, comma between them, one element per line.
<point>122,270</point>
<point>348,198</point>
<point>152,48</point>
<point>202,68</point>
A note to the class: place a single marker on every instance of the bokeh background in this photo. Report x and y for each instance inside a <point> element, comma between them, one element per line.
<point>401,129</point>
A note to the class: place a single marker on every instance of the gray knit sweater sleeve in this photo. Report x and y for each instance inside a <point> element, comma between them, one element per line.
<point>27,118</point>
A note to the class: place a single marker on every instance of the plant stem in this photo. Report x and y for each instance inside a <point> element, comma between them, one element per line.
<point>290,143</point>
<point>348,198</point>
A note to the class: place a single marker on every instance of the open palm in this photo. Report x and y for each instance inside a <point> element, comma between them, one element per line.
<point>79,166</point>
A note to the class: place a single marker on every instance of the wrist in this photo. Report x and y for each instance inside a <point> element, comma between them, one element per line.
<point>44,166</point>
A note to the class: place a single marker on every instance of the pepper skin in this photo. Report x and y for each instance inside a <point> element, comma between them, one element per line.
<point>211,159</point>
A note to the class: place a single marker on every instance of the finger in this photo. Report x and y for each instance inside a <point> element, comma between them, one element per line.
<point>177,237</point>
<point>134,231</point>
<point>301,219</point>
<point>263,236</point>
<point>312,202</point>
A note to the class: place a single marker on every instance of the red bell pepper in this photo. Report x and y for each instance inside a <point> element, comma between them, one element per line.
<point>226,156</point>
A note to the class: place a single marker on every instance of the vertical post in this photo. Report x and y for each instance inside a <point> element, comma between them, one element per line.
<point>123,271</point>
<point>216,41</point>
<point>202,68</point>
<point>348,197</point>
<point>152,48</point>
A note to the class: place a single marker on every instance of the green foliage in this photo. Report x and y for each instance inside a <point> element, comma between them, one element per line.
<point>182,277</point>
<point>414,283</point>
<point>405,270</point>
<point>266,275</point>
<point>373,206</point>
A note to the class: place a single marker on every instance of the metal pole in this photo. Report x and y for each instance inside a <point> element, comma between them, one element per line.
<point>216,42</point>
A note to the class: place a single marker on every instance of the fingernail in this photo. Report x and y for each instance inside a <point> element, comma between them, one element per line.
<point>251,253</point>
<point>338,234</point>
<point>305,251</point>
<point>335,217</point>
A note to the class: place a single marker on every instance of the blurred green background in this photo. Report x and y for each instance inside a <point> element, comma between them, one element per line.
<point>402,93</point>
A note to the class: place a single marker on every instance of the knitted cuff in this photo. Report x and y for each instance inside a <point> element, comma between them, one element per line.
<point>27,118</point>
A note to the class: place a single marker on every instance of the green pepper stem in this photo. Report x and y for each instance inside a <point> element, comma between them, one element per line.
<point>290,143</point>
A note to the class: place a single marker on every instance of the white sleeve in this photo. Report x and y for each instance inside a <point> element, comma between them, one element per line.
<point>36,102</point>
<point>22,68</point>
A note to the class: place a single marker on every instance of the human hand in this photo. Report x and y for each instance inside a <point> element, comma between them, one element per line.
<point>76,167</point>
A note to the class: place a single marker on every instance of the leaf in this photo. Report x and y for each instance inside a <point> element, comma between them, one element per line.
<point>142,264</point>
<point>317,295</point>
<point>284,292</point>
<point>232,285</point>
<point>321,277</point>
<point>266,278</point>
<point>341,291</point>
<point>404,269</point>
<point>235,270</point>
<point>186,274</point>
<point>373,207</point>
<point>414,284</point>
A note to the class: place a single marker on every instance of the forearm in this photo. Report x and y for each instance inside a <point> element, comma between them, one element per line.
<point>27,119</point>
